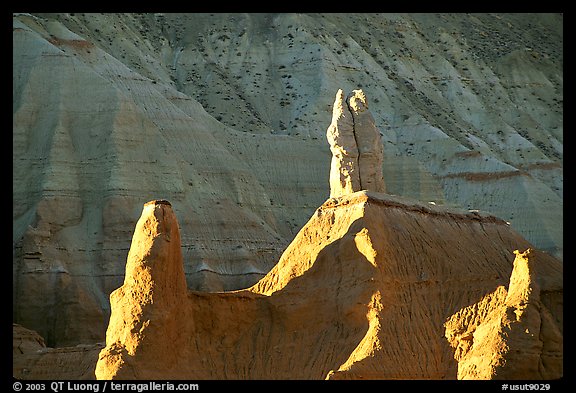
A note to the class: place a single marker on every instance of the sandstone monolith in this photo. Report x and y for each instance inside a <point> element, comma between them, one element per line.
<point>146,313</point>
<point>357,152</point>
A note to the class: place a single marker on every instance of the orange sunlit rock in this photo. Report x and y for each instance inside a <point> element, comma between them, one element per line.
<point>511,333</point>
<point>373,287</point>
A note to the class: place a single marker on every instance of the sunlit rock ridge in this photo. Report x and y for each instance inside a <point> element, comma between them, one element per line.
<point>372,287</point>
<point>225,116</point>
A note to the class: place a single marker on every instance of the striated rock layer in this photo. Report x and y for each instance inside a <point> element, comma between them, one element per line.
<point>372,287</point>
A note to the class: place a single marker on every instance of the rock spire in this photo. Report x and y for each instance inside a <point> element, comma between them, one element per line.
<point>149,303</point>
<point>357,153</point>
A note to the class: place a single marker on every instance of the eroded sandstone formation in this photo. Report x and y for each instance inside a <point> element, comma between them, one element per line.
<point>511,332</point>
<point>363,292</point>
<point>225,115</point>
<point>357,151</point>
<point>33,360</point>
<point>25,340</point>
<point>149,310</point>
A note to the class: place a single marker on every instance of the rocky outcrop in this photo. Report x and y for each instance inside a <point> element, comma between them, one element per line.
<point>25,340</point>
<point>32,360</point>
<point>363,292</point>
<point>357,152</point>
<point>511,333</point>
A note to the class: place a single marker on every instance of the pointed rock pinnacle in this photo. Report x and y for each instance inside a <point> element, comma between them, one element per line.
<point>149,304</point>
<point>357,152</point>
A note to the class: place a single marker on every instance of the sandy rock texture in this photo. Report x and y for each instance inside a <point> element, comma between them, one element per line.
<point>225,116</point>
<point>511,332</point>
<point>33,360</point>
<point>372,287</point>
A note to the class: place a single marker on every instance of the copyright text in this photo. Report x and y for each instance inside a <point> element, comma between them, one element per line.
<point>102,386</point>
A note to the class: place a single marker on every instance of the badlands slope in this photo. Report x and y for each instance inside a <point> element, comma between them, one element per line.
<point>225,115</point>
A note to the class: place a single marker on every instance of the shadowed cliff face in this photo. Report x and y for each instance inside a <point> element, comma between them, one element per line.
<point>225,116</point>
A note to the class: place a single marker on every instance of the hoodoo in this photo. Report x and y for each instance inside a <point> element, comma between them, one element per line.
<point>357,152</point>
<point>147,315</point>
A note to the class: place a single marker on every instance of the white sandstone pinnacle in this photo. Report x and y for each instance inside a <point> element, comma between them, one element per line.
<point>357,152</point>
